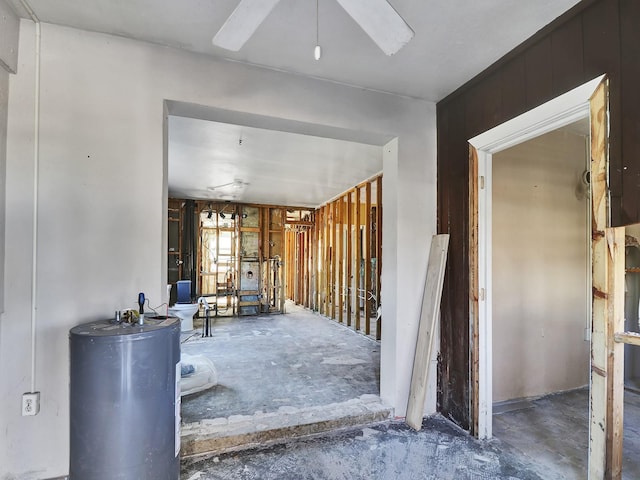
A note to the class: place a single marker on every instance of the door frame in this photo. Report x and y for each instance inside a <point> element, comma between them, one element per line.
<point>558,112</point>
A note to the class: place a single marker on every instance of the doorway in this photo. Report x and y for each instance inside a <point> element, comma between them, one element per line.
<point>564,110</point>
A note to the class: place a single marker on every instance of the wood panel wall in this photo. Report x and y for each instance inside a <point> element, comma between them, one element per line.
<point>595,37</point>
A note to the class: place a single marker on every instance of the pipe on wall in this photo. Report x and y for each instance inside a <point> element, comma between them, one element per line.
<point>36,168</point>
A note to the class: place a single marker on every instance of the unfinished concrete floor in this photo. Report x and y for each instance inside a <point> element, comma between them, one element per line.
<point>387,451</point>
<point>553,432</point>
<point>268,362</point>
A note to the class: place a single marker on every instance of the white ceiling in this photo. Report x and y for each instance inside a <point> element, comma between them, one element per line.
<point>221,161</point>
<point>454,41</point>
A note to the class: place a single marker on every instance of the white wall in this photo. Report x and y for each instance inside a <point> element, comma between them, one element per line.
<point>4,101</point>
<point>103,186</point>
<point>9,27</point>
<point>540,265</point>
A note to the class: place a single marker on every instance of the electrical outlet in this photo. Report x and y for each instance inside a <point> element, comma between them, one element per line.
<point>30,403</point>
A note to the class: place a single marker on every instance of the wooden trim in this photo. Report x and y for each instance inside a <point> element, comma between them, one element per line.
<point>474,290</point>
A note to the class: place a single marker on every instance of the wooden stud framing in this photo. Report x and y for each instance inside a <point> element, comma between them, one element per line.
<point>601,445</point>
<point>340,223</point>
<point>367,259</point>
<point>615,351</point>
<point>321,260</point>
<point>334,227</point>
<point>327,260</point>
<point>378,253</point>
<point>349,276</point>
<point>358,257</point>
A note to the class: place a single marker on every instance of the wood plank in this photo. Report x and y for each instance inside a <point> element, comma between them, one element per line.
<point>379,253</point>
<point>473,290</point>
<point>630,338</point>
<point>333,293</point>
<point>358,257</point>
<point>340,234</point>
<point>429,313</point>
<point>326,246</point>
<point>349,279</point>
<point>367,258</point>
<point>599,206</point>
<point>615,352</point>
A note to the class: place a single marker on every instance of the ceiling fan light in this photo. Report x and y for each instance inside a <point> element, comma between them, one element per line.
<point>317,52</point>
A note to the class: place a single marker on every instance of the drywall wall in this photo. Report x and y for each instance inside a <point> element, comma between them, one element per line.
<point>540,264</point>
<point>102,222</point>
<point>9,28</point>
<point>4,99</point>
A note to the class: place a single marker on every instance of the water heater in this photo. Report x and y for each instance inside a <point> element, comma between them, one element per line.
<point>125,400</point>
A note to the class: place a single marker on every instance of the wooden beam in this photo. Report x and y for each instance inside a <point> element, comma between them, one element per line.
<point>379,253</point>
<point>429,312</point>
<point>630,338</point>
<point>600,209</point>
<point>327,260</point>
<point>340,224</point>
<point>367,258</point>
<point>334,228</point>
<point>358,257</point>
<point>615,352</point>
<point>349,279</point>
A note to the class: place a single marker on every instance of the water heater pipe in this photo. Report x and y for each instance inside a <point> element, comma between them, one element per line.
<point>36,168</point>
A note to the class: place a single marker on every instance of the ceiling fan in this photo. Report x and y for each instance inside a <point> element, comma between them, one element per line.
<point>376,17</point>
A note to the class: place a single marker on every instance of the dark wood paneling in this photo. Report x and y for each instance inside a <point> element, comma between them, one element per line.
<point>577,47</point>
<point>514,96</point>
<point>630,81</point>
<point>566,50</point>
<point>539,78</point>
<point>453,336</point>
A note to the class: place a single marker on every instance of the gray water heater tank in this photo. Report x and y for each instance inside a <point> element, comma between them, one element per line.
<point>125,401</point>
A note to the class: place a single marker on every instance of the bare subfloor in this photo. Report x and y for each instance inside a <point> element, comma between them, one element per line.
<point>268,362</point>
<point>389,451</point>
<point>553,432</point>
<point>546,439</point>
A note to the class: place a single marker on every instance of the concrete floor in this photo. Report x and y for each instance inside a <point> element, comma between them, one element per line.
<point>299,360</point>
<point>553,432</point>
<point>264,363</point>
<point>387,451</point>
<point>542,439</point>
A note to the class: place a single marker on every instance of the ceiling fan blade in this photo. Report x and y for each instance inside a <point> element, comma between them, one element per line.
<point>242,23</point>
<point>381,22</point>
